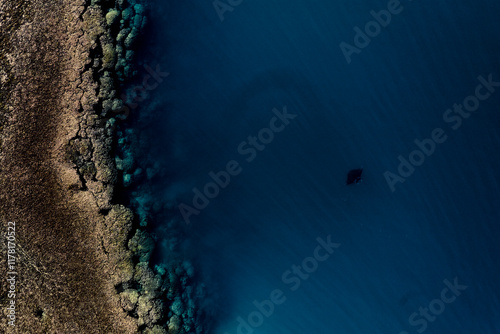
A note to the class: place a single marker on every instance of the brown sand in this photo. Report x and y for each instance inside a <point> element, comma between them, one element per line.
<point>69,255</point>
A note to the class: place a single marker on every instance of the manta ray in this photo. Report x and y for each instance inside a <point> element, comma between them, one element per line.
<point>354,176</point>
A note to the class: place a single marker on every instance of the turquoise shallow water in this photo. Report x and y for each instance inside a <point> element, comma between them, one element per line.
<point>396,249</point>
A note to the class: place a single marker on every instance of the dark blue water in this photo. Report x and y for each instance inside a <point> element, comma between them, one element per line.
<point>396,247</point>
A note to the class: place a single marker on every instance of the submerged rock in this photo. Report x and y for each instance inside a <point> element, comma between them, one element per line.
<point>122,34</point>
<point>131,37</point>
<point>141,245</point>
<point>177,306</point>
<point>127,14</point>
<point>112,17</point>
<point>127,180</point>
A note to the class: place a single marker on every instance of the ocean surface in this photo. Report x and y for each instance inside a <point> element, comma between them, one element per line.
<point>268,97</point>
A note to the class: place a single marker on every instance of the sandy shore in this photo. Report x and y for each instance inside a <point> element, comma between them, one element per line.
<point>57,177</point>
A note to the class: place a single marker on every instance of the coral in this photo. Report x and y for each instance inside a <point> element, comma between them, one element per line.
<point>122,34</point>
<point>177,306</point>
<point>138,174</point>
<point>144,305</point>
<point>155,330</point>
<point>129,55</point>
<point>93,22</point>
<point>128,299</point>
<point>174,324</point>
<point>119,162</point>
<point>125,271</point>
<point>161,269</point>
<point>106,172</point>
<point>119,225</point>
<point>114,240</point>
<point>137,21</point>
<point>127,163</point>
<point>106,85</point>
<point>150,311</point>
<point>117,104</point>
<point>88,170</point>
<point>127,14</point>
<point>127,180</point>
<point>142,203</point>
<point>128,71</point>
<point>121,63</point>
<point>188,267</point>
<point>107,106</point>
<point>152,171</point>
<point>144,22</point>
<point>139,9</point>
<point>109,56</point>
<point>112,17</point>
<point>131,37</point>
<point>141,245</point>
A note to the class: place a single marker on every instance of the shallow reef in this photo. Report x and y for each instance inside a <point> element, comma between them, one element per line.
<point>159,297</point>
<point>68,162</point>
<point>168,292</point>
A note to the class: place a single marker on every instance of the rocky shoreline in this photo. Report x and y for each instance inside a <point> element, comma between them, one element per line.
<point>83,257</point>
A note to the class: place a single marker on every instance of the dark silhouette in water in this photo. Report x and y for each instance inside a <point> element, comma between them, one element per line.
<point>354,176</point>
